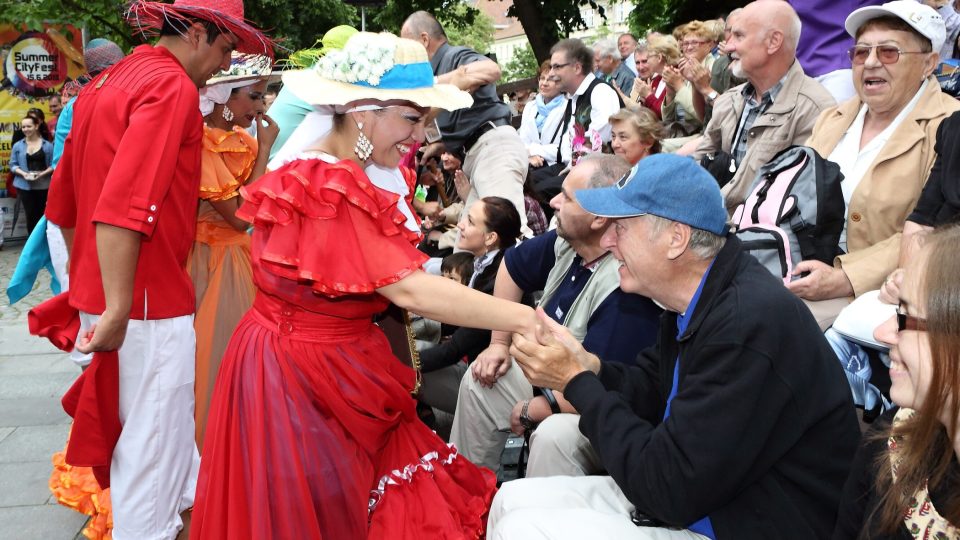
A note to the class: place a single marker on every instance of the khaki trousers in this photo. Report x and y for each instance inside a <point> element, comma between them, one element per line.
<point>482,421</point>
<point>497,166</point>
<point>557,448</point>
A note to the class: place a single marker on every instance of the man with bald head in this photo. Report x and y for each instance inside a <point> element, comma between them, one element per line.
<point>494,157</point>
<point>776,107</point>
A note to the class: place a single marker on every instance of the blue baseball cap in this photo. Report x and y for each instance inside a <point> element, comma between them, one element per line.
<point>664,185</point>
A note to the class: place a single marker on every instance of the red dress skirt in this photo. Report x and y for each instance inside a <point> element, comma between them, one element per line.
<point>313,432</point>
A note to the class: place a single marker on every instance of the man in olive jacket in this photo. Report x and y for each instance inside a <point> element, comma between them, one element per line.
<point>738,424</point>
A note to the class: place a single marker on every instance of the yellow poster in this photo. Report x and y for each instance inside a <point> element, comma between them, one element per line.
<point>36,64</point>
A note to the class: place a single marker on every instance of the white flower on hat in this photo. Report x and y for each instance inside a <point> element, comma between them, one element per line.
<point>364,60</point>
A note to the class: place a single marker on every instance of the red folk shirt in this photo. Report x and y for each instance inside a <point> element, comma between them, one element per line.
<point>132,160</point>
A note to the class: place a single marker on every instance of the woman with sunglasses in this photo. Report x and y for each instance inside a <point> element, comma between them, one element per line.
<point>905,478</point>
<point>883,139</point>
<point>219,264</point>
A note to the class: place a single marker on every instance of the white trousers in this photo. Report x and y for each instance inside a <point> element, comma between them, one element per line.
<point>153,475</point>
<point>562,507</point>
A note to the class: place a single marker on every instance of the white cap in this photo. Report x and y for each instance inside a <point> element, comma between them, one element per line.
<point>922,18</point>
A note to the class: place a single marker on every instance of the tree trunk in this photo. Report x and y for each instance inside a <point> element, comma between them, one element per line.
<point>542,33</point>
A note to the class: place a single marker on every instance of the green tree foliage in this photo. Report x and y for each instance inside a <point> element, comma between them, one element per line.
<point>298,24</point>
<point>477,35</point>
<point>523,65</point>
<point>451,13</point>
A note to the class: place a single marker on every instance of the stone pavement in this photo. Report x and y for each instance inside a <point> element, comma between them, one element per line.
<point>33,377</point>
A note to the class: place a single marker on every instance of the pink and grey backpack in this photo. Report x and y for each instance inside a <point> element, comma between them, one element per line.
<point>795,211</point>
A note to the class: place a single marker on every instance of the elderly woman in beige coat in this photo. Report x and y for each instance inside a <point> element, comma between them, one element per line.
<point>883,139</point>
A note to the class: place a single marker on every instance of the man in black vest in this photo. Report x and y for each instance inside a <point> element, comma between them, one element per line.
<point>495,157</point>
<point>590,102</point>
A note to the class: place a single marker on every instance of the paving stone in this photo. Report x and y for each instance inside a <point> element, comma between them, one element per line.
<point>32,443</point>
<point>50,385</point>
<point>27,364</point>
<point>40,522</point>
<point>33,377</point>
<point>24,484</point>
<point>32,412</point>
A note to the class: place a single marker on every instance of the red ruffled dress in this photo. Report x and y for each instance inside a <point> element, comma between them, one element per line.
<point>313,432</point>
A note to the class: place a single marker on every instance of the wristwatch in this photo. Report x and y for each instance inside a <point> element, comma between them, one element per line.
<point>711,96</point>
<point>525,421</point>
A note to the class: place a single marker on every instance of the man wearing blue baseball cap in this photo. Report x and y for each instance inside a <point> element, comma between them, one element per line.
<point>737,424</point>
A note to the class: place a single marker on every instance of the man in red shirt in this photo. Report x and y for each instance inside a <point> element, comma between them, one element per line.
<point>124,194</point>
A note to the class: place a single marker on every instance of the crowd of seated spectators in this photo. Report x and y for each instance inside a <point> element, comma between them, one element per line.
<point>685,392</point>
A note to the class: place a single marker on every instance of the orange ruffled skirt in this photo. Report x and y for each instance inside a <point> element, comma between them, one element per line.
<point>76,488</point>
<point>220,268</point>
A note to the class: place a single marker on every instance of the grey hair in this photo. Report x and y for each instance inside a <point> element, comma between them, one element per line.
<point>608,169</point>
<point>421,21</point>
<point>607,48</point>
<point>704,244</point>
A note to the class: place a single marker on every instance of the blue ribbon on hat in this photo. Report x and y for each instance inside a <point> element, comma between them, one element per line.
<point>404,77</point>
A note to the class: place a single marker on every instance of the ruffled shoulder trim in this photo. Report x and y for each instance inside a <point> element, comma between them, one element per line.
<point>326,223</point>
<point>227,160</point>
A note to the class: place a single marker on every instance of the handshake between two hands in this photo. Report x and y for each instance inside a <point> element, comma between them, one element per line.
<point>546,352</point>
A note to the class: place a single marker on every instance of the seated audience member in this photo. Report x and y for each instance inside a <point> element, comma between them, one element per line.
<point>458,267</point>
<point>778,105</point>
<point>736,425</point>
<point>627,44</point>
<point>905,477</point>
<point>635,133</point>
<point>951,21</point>
<point>883,139</point>
<point>590,102</point>
<point>611,67</point>
<point>649,88</point>
<point>541,123</point>
<point>491,226</point>
<point>447,187</point>
<point>536,217</point>
<point>697,40</point>
<point>710,83</point>
<point>939,202</point>
<point>428,332</point>
<point>939,205</point>
<point>721,74</point>
<point>581,289</point>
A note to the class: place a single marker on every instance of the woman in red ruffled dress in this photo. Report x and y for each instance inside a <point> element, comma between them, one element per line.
<point>313,432</point>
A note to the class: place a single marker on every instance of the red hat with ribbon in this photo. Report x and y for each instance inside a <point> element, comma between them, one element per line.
<point>148,18</point>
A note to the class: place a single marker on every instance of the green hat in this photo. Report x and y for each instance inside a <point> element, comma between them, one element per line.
<point>334,39</point>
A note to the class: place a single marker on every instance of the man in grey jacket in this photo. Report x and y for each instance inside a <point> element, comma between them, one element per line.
<point>776,107</point>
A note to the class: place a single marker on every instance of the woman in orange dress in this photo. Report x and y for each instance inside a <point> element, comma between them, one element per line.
<point>220,262</point>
